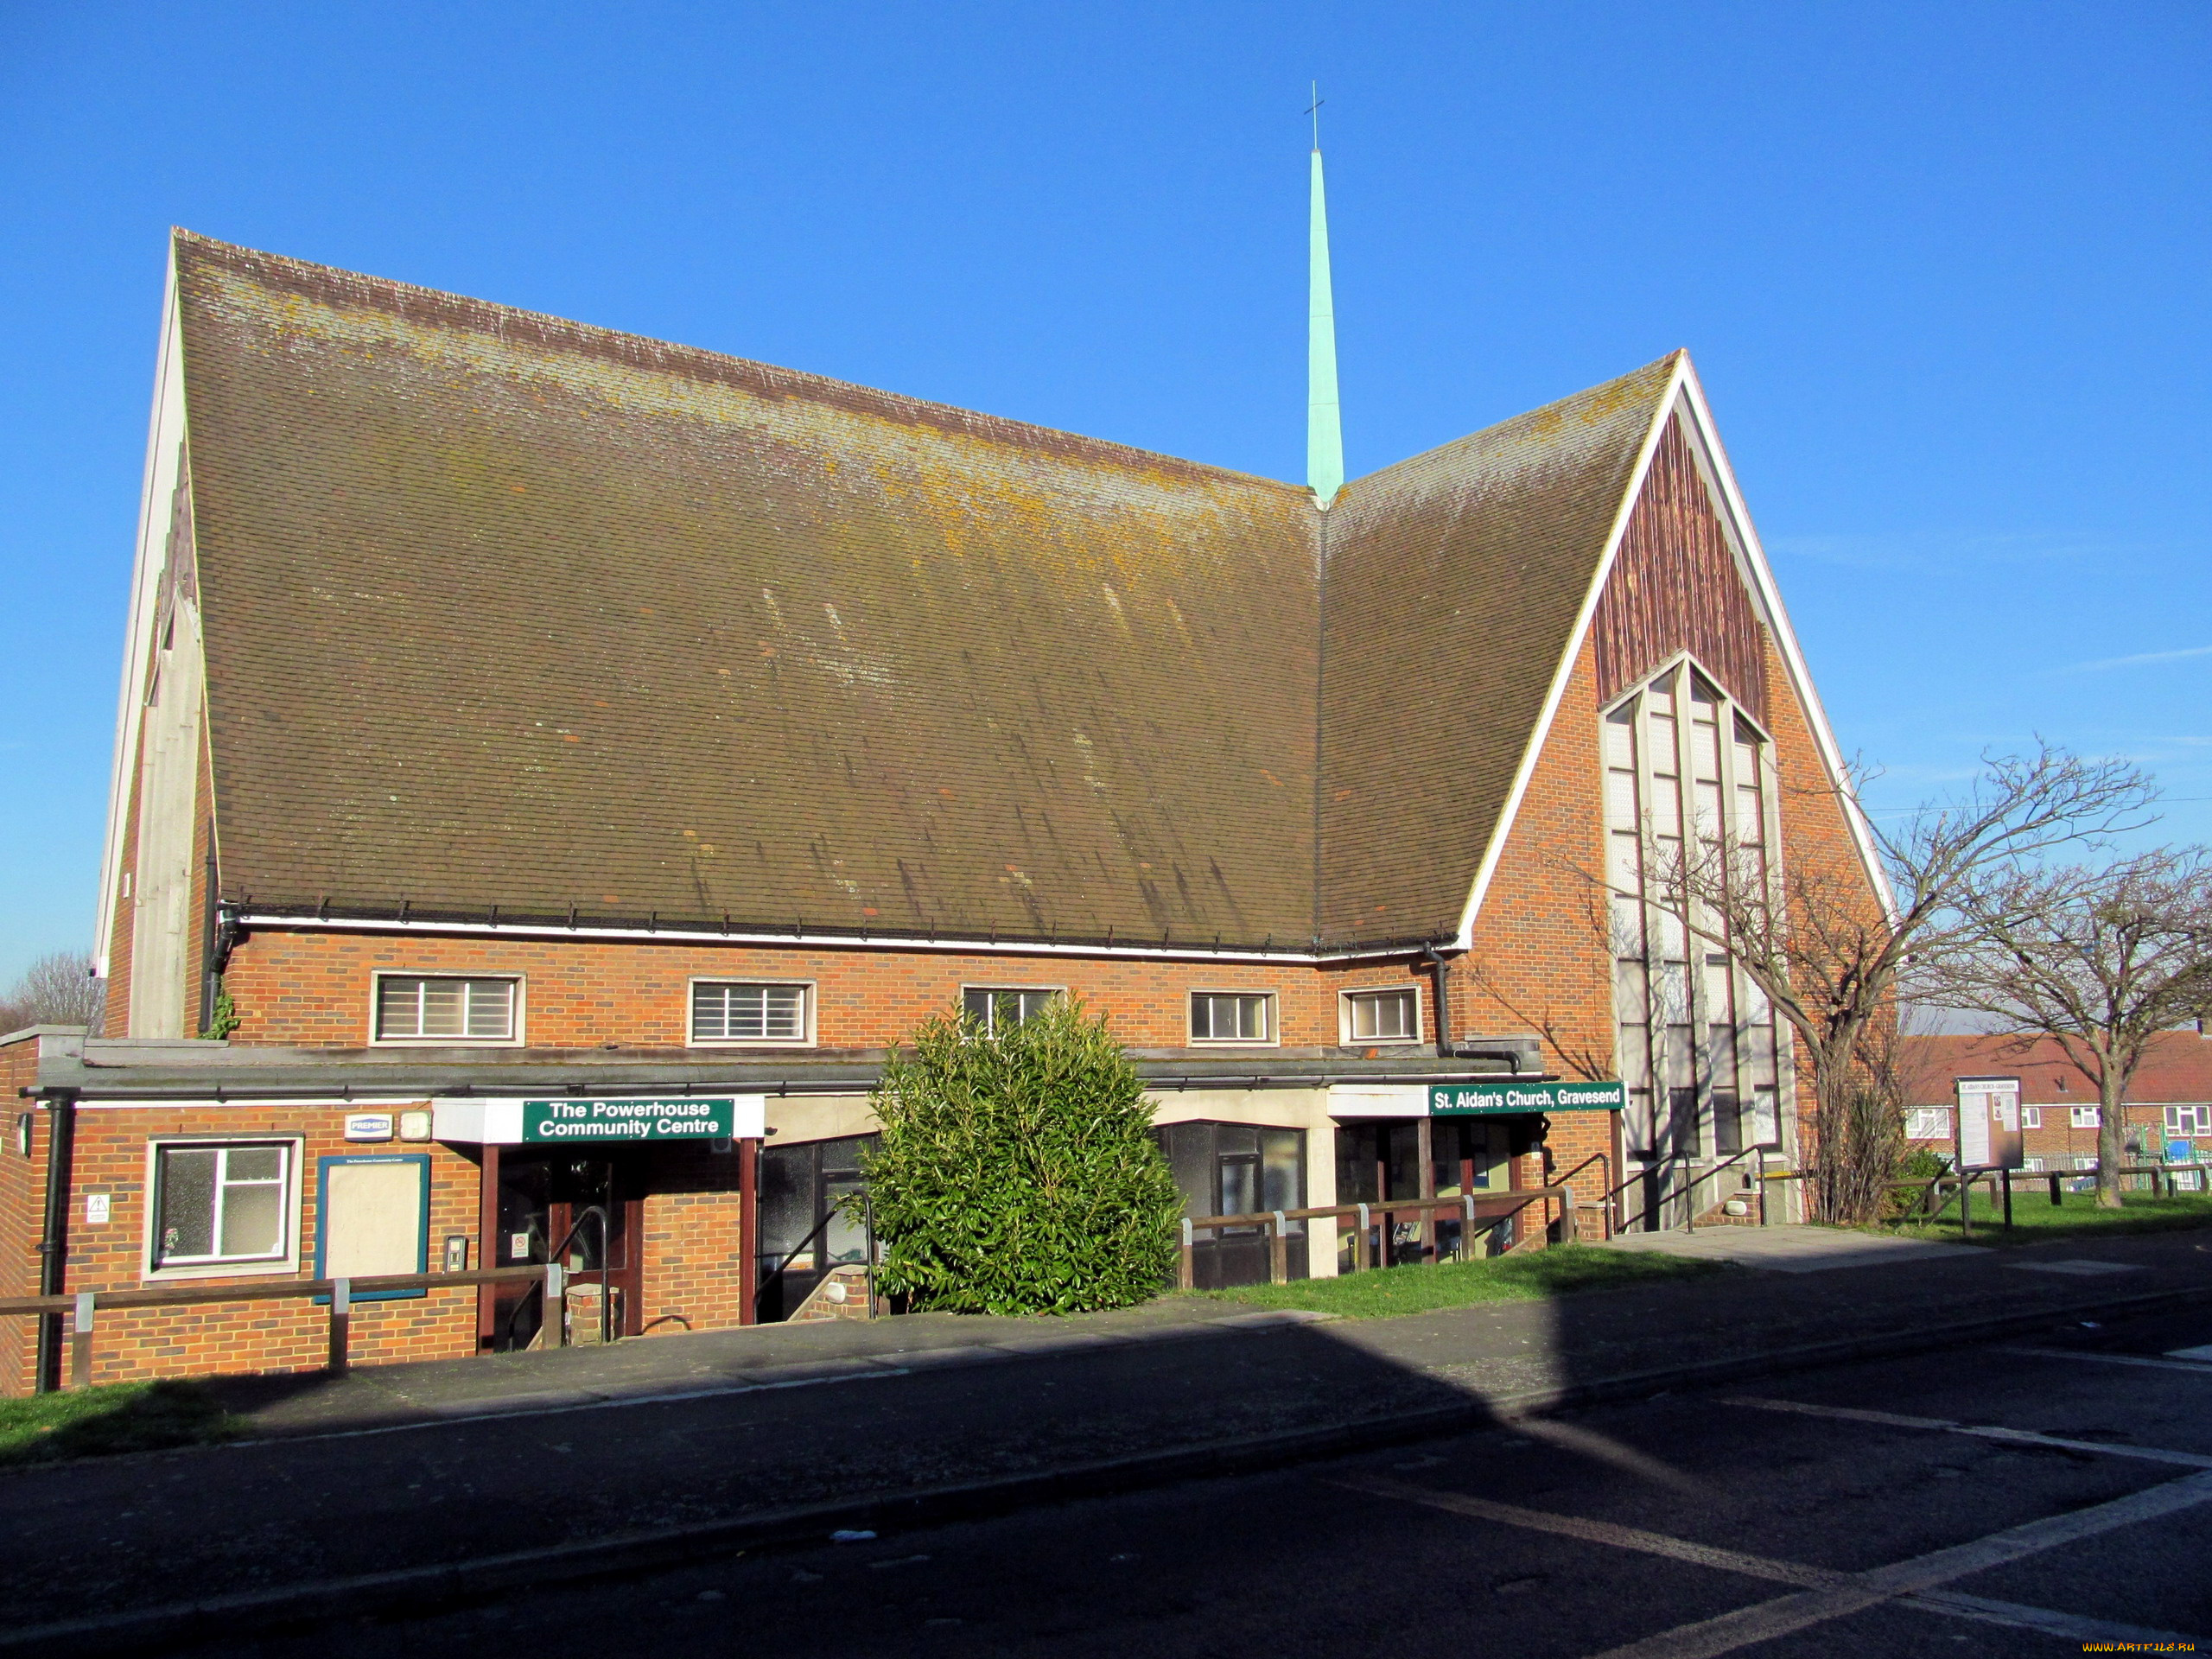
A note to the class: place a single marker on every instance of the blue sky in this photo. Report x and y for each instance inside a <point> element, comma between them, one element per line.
<point>1942,269</point>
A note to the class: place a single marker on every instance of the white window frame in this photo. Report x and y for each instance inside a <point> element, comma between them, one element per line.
<point>2030,1117</point>
<point>240,1267</point>
<point>1934,1118</point>
<point>997,986</point>
<point>810,1002</point>
<point>1345,999</point>
<point>1274,1016</point>
<point>2199,1123</point>
<point>2084,1117</point>
<point>516,1012</point>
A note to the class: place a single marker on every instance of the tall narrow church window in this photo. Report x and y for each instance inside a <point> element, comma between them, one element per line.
<point>1687,776</point>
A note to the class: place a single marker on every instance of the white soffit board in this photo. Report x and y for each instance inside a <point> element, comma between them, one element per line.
<point>1378,1099</point>
<point>157,498</point>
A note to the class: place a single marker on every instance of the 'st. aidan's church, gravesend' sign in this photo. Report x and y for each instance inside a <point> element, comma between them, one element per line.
<point>1473,1099</point>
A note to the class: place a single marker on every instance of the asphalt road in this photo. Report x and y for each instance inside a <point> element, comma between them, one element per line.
<point>2026,1498</point>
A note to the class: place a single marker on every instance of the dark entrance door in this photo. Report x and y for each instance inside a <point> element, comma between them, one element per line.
<point>1233,1169</point>
<point>589,1208</point>
<point>810,1220</point>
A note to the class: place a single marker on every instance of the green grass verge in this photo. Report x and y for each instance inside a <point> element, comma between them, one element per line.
<point>1538,1275</point>
<point>2035,1222</point>
<point>120,1417</point>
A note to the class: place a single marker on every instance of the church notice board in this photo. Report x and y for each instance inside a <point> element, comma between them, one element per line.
<point>1989,1123</point>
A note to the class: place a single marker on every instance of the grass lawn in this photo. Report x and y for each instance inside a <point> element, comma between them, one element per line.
<point>2034,1220</point>
<point>120,1417</point>
<point>1536,1276</point>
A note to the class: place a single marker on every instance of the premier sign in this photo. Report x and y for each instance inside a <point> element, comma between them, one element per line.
<point>1502,1099</point>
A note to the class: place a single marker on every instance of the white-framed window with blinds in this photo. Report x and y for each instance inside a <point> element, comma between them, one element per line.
<point>995,1008</point>
<point>1700,1050</point>
<point>219,1207</point>
<point>756,1012</point>
<point>1232,1017</point>
<point>2084,1117</point>
<point>1391,1014</point>
<point>442,1008</point>
<point>1928,1123</point>
<point>2031,1118</point>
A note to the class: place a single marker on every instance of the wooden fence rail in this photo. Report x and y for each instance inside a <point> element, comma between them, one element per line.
<point>1277,1224</point>
<point>84,1307</point>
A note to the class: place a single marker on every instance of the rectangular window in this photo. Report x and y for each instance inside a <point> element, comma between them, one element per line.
<point>995,1008</point>
<point>2189,1120</point>
<point>1392,1016</point>
<point>1928,1123</point>
<point>2084,1117</point>
<point>1231,1017</point>
<point>731,1011</point>
<point>218,1204</point>
<point>445,1008</point>
<point>2031,1118</point>
<point>2034,1166</point>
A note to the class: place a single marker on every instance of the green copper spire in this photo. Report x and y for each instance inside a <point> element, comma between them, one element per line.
<point>1325,436</point>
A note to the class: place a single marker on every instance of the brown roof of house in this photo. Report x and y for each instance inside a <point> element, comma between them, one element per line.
<point>503,610</point>
<point>2177,1069</point>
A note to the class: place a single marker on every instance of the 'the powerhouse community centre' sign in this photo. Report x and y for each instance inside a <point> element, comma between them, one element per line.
<point>702,1118</point>
<point>1494,1099</point>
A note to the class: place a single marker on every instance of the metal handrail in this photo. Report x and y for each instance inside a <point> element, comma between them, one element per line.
<point>760,1292</point>
<point>1688,1190</point>
<point>1604,1203</point>
<point>605,1250</point>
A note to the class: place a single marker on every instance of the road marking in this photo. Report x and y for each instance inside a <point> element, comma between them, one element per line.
<point>2085,1268</point>
<point>1598,1532</point>
<point>1859,1589</point>
<point>1980,1431</point>
<point>2049,1622</point>
<point>2204,1353</point>
<point>1709,1638</point>
<point>2167,1364</point>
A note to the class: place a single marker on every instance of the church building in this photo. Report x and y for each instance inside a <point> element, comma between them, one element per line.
<point>555,767</point>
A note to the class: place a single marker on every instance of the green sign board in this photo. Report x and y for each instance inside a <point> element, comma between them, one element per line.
<point>1499,1099</point>
<point>700,1118</point>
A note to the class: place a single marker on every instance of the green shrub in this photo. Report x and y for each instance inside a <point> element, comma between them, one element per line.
<point>1017,1171</point>
<point>1920,1164</point>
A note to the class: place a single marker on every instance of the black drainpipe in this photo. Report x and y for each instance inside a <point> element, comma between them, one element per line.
<point>53,1246</point>
<point>1442,970</point>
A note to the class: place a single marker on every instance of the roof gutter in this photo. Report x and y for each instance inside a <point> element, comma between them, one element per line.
<point>1168,948</point>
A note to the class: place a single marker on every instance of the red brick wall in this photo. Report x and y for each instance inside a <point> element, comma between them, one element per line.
<point>275,1335</point>
<point>691,1242</point>
<point>313,988</point>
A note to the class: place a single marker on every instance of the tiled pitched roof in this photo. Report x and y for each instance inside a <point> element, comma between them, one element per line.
<point>2177,1069</point>
<point>507,611</point>
<point>1455,583</point>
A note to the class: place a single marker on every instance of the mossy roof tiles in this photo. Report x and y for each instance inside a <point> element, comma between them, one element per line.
<point>502,610</point>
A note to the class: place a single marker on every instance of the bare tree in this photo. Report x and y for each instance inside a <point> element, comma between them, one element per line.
<point>2102,958</point>
<point>1825,946</point>
<point>56,989</point>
